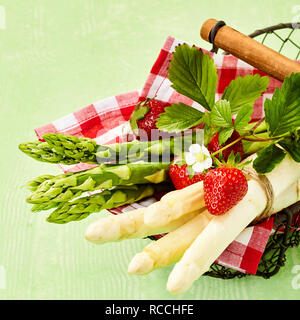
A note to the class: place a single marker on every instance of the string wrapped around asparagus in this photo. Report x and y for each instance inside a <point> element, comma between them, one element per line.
<point>65,187</point>
<point>66,149</point>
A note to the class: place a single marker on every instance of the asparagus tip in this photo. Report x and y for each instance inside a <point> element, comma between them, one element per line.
<point>141,263</point>
<point>103,230</point>
<point>181,278</point>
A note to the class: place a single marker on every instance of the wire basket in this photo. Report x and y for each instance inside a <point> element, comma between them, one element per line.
<point>287,222</point>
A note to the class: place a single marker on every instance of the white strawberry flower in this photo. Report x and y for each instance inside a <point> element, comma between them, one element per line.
<point>198,157</point>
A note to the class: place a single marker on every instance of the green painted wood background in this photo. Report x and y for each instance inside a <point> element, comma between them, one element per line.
<point>57,56</point>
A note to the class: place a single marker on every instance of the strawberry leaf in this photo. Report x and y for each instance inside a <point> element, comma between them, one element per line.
<point>231,159</point>
<point>241,165</point>
<point>209,131</point>
<point>292,146</point>
<point>224,135</point>
<point>244,91</point>
<point>238,158</point>
<point>179,117</point>
<point>268,158</point>
<point>221,114</point>
<point>283,111</point>
<point>194,75</point>
<point>191,172</point>
<point>243,117</point>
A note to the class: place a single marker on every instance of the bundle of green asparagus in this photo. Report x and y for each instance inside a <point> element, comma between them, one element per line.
<point>71,185</point>
<point>81,208</point>
<point>122,184</point>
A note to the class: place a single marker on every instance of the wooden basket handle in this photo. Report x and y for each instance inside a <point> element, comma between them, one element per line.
<point>249,50</point>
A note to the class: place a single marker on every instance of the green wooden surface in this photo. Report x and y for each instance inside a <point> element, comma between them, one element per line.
<point>57,56</point>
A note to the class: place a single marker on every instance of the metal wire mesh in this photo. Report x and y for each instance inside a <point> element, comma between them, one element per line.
<point>287,231</point>
<point>281,37</point>
<point>284,39</point>
<point>286,235</point>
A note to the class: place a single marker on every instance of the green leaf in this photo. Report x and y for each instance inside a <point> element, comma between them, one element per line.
<point>138,114</point>
<point>268,158</point>
<point>243,117</point>
<point>238,158</point>
<point>208,129</point>
<point>231,159</point>
<point>241,165</point>
<point>283,111</point>
<point>191,172</point>
<point>224,135</point>
<point>194,75</point>
<point>221,114</point>
<point>246,90</point>
<point>292,147</point>
<point>179,117</point>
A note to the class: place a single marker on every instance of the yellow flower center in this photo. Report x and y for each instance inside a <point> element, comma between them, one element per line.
<point>201,157</point>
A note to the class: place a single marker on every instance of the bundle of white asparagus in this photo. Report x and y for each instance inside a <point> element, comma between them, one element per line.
<point>195,238</point>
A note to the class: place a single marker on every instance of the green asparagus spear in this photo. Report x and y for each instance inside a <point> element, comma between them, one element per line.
<point>80,149</point>
<point>80,208</point>
<point>43,152</point>
<point>64,149</point>
<point>44,206</point>
<point>105,176</point>
<point>32,185</point>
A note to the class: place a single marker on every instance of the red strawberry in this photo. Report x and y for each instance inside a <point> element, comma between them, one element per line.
<point>144,118</point>
<point>180,176</point>
<point>223,188</point>
<point>214,146</point>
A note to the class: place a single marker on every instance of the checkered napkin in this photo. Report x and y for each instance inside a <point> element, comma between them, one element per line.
<point>104,121</point>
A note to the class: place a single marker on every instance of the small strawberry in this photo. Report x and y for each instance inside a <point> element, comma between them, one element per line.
<point>214,146</point>
<point>144,117</point>
<point>180,177</point>
<point>223,188</point>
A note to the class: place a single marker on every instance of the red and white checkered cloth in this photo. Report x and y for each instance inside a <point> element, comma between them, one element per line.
<point>105,120</point>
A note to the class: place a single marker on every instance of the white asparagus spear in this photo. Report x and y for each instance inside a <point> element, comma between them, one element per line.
<point>289,196</point>
<point>170,248</point>
<point>175,204</point>
<point>129,225</point>
<point>222,230</point>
